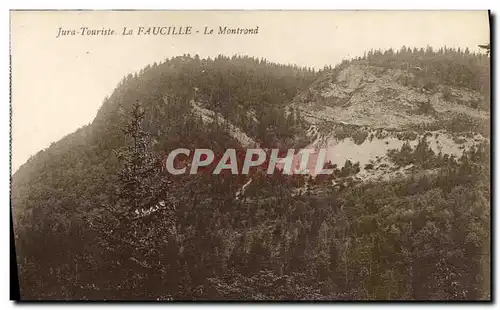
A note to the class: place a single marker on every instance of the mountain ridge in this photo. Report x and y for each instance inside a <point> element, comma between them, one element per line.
<point>277,236</point>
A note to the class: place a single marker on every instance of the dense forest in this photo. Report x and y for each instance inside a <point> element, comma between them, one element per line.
<point>96,217</point>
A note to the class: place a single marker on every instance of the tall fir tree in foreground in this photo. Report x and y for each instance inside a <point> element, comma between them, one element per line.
<point>139,165</point>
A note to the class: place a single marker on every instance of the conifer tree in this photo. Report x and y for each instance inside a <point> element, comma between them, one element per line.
<point>140,167</point>
<point>486,47</point>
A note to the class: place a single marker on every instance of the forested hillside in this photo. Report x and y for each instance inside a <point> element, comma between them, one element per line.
<point>96,216</point>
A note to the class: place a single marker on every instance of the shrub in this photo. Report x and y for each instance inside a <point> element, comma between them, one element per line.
<point>447,95</point>
<point>359,137</point>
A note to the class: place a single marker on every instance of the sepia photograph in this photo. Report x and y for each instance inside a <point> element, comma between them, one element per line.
<point>250,155</point>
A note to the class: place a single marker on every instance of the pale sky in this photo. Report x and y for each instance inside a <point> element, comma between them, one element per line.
<point>58,84</point>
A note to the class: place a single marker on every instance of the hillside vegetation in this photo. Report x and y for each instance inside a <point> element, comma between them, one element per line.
<point>96,217</point>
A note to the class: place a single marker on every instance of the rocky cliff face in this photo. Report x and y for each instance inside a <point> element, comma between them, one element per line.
<point>379,97</point>
<point>360,112</point>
